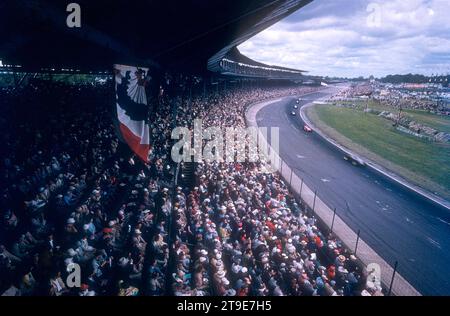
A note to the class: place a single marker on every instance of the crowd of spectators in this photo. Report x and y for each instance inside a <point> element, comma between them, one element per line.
<point>72,193</point>
<point>241,232</point>
<point>424,99</point>
<point>398,99</point>
<point>354,90</point>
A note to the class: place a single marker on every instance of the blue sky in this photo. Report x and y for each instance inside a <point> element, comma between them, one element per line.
<point>359,37</point>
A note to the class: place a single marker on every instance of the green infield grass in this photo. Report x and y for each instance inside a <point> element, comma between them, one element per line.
<point>422,162</point>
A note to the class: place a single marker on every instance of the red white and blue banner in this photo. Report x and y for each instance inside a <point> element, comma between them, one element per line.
<point>132,108</point>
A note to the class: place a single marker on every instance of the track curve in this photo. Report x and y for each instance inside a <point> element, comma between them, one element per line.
<point>398,223</point>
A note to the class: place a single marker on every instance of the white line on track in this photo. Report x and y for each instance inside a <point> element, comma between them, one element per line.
<point>434,242</point>
<point>409,221</point>
<point>443,221</point>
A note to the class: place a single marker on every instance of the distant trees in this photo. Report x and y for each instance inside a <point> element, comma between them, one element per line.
<point>408,78</point>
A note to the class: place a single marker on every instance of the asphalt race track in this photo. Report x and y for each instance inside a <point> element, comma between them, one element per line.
<point>395,221</point>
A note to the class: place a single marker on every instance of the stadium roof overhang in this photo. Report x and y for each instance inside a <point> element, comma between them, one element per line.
<point>188,34</point>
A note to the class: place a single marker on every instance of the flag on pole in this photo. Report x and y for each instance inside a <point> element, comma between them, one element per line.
<point>132,108</point>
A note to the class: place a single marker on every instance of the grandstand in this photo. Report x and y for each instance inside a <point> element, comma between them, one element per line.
<point>76,194</point>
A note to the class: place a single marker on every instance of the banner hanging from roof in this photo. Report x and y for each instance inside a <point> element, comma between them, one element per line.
<point>132,108</point>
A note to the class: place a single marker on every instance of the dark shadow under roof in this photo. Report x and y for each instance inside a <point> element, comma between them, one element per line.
<point>175,34</point>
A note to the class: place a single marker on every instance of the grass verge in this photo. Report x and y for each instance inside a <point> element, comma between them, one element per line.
<point>424,163</point>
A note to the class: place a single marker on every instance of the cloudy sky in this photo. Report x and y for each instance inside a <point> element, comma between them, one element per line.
<point>359,37</point>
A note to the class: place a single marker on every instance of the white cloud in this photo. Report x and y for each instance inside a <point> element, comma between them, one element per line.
<point>411,36</point>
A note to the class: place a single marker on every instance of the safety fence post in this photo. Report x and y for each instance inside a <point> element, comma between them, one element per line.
<point>392,280</point>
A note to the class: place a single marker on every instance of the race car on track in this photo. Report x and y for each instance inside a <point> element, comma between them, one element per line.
<point>306,128</point>
<point>354,160</point>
